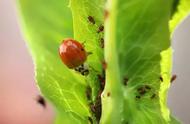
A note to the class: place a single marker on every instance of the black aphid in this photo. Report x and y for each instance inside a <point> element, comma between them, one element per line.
<point>161,79</point>
<point>173,78</point>
<point>88,92</point>
<point>91,19</point>
<point>41,101</point>
<point>125,81</point>
<point>100,29</point>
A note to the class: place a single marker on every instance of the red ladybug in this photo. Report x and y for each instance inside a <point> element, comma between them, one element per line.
<point>72,53</point>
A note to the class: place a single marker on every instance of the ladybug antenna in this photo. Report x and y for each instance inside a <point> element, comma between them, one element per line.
<point>83,43</point>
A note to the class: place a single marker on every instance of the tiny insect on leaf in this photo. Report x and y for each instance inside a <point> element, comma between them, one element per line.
<point>41,101</point>
<point>72,53</point>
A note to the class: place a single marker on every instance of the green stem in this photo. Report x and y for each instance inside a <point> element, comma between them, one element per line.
<point>112,100</point>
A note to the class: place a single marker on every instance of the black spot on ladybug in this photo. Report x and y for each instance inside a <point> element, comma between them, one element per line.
<point>161,79</point>
<point>153,96</point>
<point>125,81</point>
<point>91,19</point>
<point>108,94</point>
<point>173,78</point>
<point>90,119</point>
<point>88,92</point>
<point>100,29</point>
<point>41,101</point>
<point>102,42</point>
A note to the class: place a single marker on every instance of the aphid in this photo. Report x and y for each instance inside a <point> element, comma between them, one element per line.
<point>88,92</point>
<point>92,107</point>
<point>102,42</point>
<point>138,97</point>
<point>98,108</point>
<point>108,94</point>
<point>161,79</point>
<point>83,69</point>
<point>91,19</point>
<point>141,90</point>
<point>100,29</point>
<point>147,87</point>
<point>99,93</point>
<point>41,101</point>
<point>106,14</point>
<point>102,81</point>
<point>125,80</point>
<point>153,96</point>
<point>173,78</point>
<point>90,119</point>
<point>104,65</point>
<point>72,53</point>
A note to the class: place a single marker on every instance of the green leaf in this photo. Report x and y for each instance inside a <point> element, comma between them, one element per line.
<point>137,48</point>
<point>88,31</point>
<point>45,24</point>
<point>182,10</point>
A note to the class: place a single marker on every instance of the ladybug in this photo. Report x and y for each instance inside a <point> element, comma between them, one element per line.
<point>72,53</point>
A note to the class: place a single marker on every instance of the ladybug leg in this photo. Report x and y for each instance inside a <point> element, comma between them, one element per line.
<point>83,43</point>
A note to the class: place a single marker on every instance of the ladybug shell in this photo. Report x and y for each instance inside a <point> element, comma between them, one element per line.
<point>72,53</point>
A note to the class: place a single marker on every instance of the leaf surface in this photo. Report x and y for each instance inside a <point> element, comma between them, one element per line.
<point>45,24</point>
<point>137,41</point>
